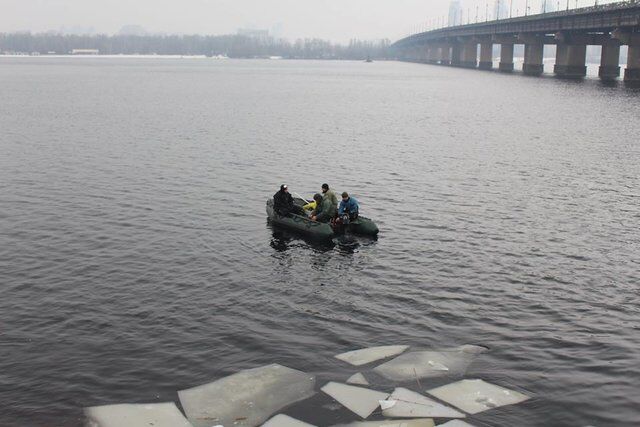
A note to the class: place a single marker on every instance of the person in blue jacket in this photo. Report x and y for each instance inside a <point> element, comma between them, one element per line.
<point>348,209</point>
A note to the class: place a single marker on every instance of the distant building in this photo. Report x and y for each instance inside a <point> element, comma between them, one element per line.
<point>548,6</point>
<point>132,30</point>
<point>501,10</point>
<point>262,35</point>
<point>277,30</point>
<point>455,13</point>
<point>85,52</point>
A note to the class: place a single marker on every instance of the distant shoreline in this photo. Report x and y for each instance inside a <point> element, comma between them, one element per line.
<point>215,58</point>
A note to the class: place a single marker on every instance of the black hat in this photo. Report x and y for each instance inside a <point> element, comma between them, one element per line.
<point>317,197</point>
<point>283,187</point>
<point>325,186</point>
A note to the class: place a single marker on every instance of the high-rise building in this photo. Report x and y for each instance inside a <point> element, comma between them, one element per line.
<point>455,13</point>
<point>547,6</point>
<point>501,9</point>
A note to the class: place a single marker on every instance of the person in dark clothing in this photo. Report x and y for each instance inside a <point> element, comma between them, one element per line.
<point>283,203</point>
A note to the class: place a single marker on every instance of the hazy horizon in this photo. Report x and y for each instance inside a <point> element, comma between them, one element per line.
<point>327,19</point>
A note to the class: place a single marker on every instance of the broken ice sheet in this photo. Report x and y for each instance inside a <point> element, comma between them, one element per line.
<point>429,364</point>
<point>285,421</point>
<point>357,379</point>
<point>371,354</point>
<point>410,404</point>
<point>474,396</point>
<point>246,398</point>
<point>455,423</point>
<point>134,415</point>
<point>362,401</point>
<point>421,422</point>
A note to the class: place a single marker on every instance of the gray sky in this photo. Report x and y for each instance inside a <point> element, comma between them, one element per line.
<point>337,20</point>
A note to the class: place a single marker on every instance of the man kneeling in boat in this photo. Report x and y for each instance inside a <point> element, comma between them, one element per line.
<point>283,203</point>
<point>324,210</point>
<point>348,210</point>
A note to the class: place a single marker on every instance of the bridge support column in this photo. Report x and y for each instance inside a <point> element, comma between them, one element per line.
<point>429,55</point>
<point>632,72</point>
<point>422,54</point>
<point>434,54</point>
<point>506,57</point>
<point>533,65</point>
<point>445,55</point>
<point>456,55</point>
<point>610,61</point>
<point>470,55</point>
<point>570,60</point>
<point>486,56</point>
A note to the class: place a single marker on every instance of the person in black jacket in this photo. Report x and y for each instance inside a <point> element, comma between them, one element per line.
<point>283,203</point>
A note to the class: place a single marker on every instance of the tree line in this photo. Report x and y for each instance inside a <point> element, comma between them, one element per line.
<point>233,46</point>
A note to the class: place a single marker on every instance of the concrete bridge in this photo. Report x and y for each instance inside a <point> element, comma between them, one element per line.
<point>609,26</point>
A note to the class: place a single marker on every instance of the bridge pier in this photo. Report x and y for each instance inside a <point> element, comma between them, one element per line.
<point>506,57</point>
<point>470,55</point>
<point>610,60</point>
<point>435,54</point>
<point>533,55</point>
<point>570,60</point>
<point>456,55</point>
<point>486,56</point>
<point>445,55</point>
<point>632,72</point>
<point>432,54</point>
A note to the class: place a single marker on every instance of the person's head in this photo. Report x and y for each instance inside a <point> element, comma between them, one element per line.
<point>325,188</point>
<point>345,196</point>
<point>284,188</point>
<point>317,197</point>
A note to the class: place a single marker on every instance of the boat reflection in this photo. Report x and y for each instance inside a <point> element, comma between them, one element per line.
<point>282,241</point>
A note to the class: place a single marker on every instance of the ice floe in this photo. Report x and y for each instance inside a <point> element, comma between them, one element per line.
<point>360,400</point>
<point>421,422</point>
<point>371,354</point>
<point>455,423</point>
<point>429,364</point>
<point>135,415</point>
<point>246,398</point>
<point>285,421</point>
<point>409,404</point>
<point>357,379</point>
<point>474,396</point>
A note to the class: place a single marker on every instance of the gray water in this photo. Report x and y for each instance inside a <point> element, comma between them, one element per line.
<point>136,258</point>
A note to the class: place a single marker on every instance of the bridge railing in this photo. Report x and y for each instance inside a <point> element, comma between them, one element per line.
<point>585,17</point>
<point>599,8</point>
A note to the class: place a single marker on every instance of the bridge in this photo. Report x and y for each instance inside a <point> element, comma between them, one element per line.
<point>609,26</point>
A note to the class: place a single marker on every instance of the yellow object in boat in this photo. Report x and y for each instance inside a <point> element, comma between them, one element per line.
<point>310,206</point>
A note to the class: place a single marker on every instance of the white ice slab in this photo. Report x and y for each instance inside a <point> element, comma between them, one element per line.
<point>429,364</point>
<point>127,415</point>
<point>422,422</point>
<point>371,354</point>
<point>285,421</point>
<point>455,423</point>
<point>473,396</point>
<point>360,400</point>
<point>357,379</point>
<point>246,398</point>
<point>410,404</point>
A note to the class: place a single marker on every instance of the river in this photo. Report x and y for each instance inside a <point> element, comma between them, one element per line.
<point>136,258</point>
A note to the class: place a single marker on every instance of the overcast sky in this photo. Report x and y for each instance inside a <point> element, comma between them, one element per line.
<point>337,20</point>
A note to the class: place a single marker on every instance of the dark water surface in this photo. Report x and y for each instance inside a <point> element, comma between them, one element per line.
<point>136,259</point>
